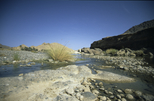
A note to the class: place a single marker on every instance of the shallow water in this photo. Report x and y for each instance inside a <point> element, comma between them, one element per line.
<point>142,82</point>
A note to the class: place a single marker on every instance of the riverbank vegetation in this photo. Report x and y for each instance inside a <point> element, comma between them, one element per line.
<point>59,53</point>
<point>16,57</point>
<point>111,51</point>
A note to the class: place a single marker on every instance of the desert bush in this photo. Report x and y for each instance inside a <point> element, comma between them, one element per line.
<point>16,57</point>
<point>29,49</point>
<point>111,51</point>
<point>59,53</point>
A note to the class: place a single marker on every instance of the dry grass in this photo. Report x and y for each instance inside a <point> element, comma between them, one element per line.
<point>59,53</point>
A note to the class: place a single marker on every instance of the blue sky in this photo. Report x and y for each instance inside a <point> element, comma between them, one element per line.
<point>75,24</point>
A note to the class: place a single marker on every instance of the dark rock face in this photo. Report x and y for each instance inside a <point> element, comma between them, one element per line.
<point>136,41</point>
<point>142,26</point>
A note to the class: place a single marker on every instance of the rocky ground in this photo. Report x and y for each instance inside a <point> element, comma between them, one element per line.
<point>70,83</point>
<point>7,56</point>
<point>131,64</point>
<point>75,83</point>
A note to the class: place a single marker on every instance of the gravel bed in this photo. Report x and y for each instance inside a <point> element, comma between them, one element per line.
<point>8,56</point>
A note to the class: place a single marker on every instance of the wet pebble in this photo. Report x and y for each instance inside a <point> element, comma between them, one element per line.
<point>119,91</point>
<point>128,91</point>
<point>138,93</point>
<point>129,97</point>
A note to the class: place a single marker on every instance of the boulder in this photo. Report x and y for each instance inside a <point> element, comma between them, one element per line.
<point>50,60</point>
<point>85,50</point>
<point>65,98</point>
<point>88,96</point>
<point>128,91</point>
<point>129,97</point>
<point>70,90</point>
<point>148,97</point>
<point>125,52</point>
<point>96,51</point>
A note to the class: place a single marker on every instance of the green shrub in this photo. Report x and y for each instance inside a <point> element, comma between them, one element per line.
<point>111,51</point>
<point>16,57</point>
<point>59,53</point>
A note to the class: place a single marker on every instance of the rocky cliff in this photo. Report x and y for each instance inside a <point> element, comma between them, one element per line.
<point>142,26</point>
<point>140,39</point>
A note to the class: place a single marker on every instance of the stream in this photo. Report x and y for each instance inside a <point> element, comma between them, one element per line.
<point>141,83</point>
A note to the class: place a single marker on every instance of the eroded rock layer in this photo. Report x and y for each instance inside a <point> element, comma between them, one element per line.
<point>138,40</point>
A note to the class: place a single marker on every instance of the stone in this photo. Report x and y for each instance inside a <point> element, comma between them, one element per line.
<point>102,89</point>
<point>126,68</point>
<point>28,65</point>
<point>56,61</point>
<point>122,95</point>
<point>32,63</point>
<point>106,91</point>
<point>93,80</point>
<point>14,62</point>
<point>96,84</point>
<point>148,97</point>
<point>100,84</point>
<point>128,91</point>
<point>123,99</point>
<point>50,60</point>
<point>65,98</point>
<point>102,98</point>
<point>121,67</point>
<point>119,91</point>
<point>91,87</point>
<point>70,90</point>
<point>87,64</point>
<point>112,96</point>
<point>108,100</point>
<point>88,96</point>
<point>95,92</point>
<point>138,93</point>
<point>21,74</point>
<point>129,97</point>
<point>118,96</point>
<point>110,93</point>
<point>78,96</point>
<point>96,52</point>
<point>85,82</point>
<point>81,98</point>
<point>20,78</point>
<point>86,88</point>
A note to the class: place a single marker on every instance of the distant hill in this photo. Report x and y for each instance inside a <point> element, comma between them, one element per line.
<point>142,26</point>
<point>19,47</point>
<point>4,47</point>
<point>43,46</point>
